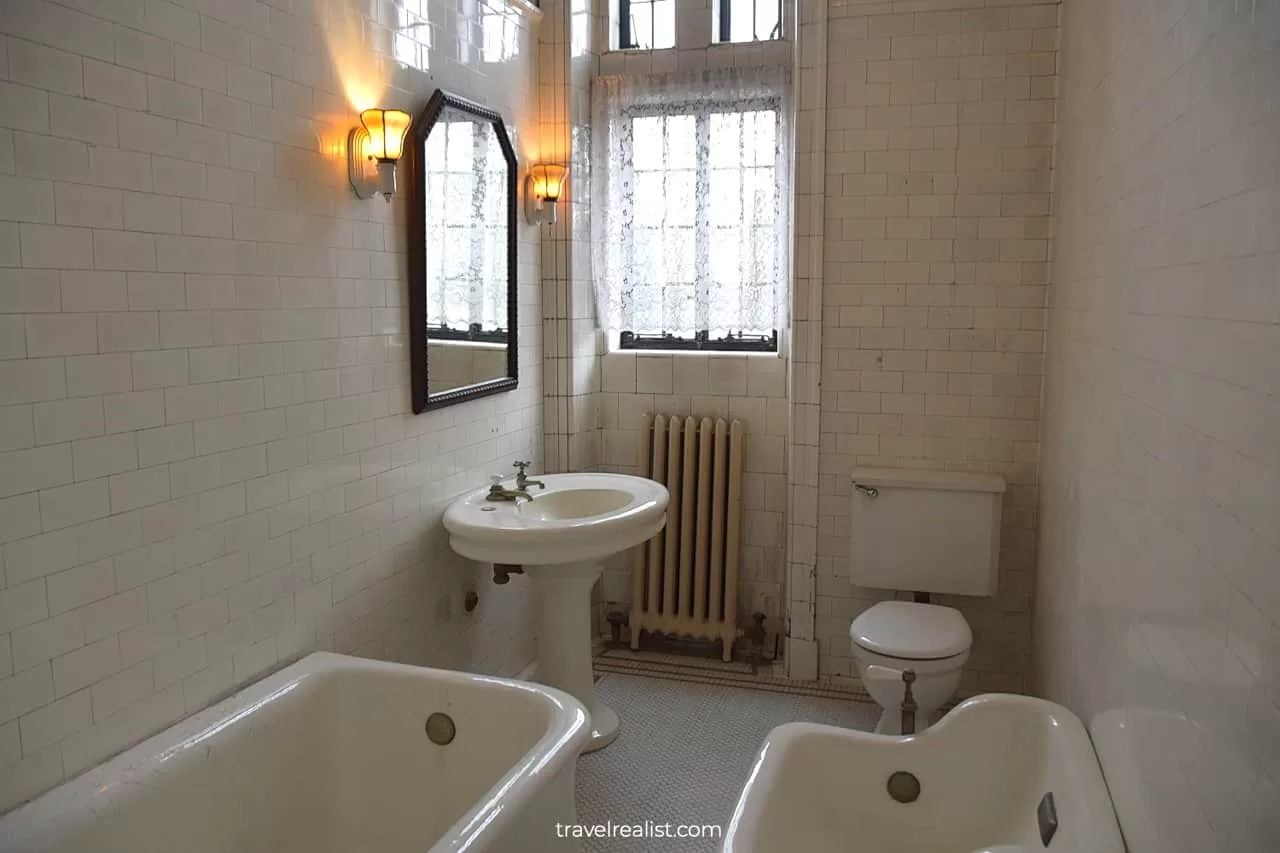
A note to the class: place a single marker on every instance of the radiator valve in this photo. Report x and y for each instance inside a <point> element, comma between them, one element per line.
<point>616,619</point>
<point>756,633</point>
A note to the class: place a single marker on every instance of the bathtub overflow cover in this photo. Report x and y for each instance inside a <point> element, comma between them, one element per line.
<point>903,787</point>
<point>440,729</point>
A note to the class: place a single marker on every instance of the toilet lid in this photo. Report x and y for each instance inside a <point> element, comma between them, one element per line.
<point>904,629</point>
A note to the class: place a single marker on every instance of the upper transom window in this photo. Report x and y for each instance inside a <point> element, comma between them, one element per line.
<point>746,20</point>
<point>646,24</point>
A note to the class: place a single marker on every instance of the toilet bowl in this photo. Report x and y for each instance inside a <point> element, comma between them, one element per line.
<point>892,637</point>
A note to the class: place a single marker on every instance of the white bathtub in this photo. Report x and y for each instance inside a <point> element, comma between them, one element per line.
<point>982,771</point>
<point>331,754</point>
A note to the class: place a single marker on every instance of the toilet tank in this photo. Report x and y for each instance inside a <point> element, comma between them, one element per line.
<point>926,531</point>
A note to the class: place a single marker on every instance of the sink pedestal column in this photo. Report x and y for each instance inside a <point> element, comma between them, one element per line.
<point>564,641</point>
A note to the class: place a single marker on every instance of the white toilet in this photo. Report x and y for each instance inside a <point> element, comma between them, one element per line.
<point>920,532</point>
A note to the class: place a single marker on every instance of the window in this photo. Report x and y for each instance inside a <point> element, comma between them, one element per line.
<point>692,211</point>
<point>580,24</point>
<point>746,20</point>
<point>646,24</point>
<point>500,34</point>
<point>704,259</point>
<point>466,186</point>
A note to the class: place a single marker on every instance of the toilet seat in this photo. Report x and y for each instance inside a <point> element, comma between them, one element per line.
<point>905,630</point>
<point>923,669</point>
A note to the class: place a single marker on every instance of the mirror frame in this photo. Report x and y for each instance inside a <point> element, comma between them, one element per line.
<point>419,130</point>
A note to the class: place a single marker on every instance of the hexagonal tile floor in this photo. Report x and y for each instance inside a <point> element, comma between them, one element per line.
<point>683,754</point>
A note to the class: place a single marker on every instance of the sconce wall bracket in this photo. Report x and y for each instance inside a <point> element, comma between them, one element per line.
<point>373,149</point>
<point>538,210</point>
<point>543,187</point>
<point>369,175</point>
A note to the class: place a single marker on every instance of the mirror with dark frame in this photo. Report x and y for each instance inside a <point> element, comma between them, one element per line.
<point>462,253</point>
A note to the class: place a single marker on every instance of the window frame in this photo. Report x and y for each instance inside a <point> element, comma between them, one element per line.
<point>726,22</point>
<point>626,40</point>
<point>624,26</point>
<point>701,340</point>
<point>724,10</point>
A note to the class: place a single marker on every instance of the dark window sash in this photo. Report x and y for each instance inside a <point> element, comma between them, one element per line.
<point>726,17</point>
<point>473,333</point>
<point>626,37</point>
<point>700,342</point>
<point>624,25</point>
<point>759,103</point>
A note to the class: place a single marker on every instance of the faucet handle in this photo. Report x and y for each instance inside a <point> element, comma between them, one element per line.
<point>495,481</point>
<point>521,465</point>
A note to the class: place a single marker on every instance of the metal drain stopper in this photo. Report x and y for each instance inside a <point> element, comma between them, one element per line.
<point>904,787</point>
<point>440,729</point>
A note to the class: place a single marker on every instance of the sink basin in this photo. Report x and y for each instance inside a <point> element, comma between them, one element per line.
<point>576,503</point>
<point>559,538</point>
<point>977,780</point>
<point>576,517</point>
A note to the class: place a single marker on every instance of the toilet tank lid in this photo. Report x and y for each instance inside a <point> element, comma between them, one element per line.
<point>904,629</point>
<point>911,478</point>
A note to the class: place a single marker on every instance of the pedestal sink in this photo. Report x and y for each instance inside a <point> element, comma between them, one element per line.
<point>559,537</point>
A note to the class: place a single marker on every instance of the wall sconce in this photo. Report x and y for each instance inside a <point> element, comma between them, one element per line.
<point>373,149</point>
<point>542,188</point>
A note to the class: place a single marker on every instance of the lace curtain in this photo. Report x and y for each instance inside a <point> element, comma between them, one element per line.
<point>691,202</point>
<point>466,225</point>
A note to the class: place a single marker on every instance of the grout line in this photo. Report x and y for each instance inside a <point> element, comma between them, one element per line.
<point>741,685</point>
<point>701,675</point>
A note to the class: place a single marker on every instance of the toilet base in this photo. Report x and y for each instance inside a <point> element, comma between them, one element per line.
<point>936,682</point>
<point>891,722</point>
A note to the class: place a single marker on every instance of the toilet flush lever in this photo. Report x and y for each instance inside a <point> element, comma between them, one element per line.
<point>869,491</point>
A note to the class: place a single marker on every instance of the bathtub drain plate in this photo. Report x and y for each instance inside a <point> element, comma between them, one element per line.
<point>440,729</point>
<point>904,787</point>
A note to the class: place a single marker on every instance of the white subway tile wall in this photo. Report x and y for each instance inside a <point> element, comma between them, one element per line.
<point>568,60</point>
<point>800,583</point>
<point>208,465</point>
<point>715,386</point>
<point>938,139</point>
<point>1158,602</point>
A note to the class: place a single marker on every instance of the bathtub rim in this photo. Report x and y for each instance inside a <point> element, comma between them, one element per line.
<point>83,798</point>
<point>744,827</point>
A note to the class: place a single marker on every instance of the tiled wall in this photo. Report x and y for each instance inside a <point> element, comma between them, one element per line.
<point>1158,603</point>
<point>938,138</point>
<point>568,59</point>
<point>208,465</point>
<point>803,391</point>
<point>749,388</point>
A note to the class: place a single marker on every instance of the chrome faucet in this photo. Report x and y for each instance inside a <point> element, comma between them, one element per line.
<point>499,494</point>
<point>522,479</point>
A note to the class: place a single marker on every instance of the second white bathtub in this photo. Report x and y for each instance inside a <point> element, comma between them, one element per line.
<point>332,754</point>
